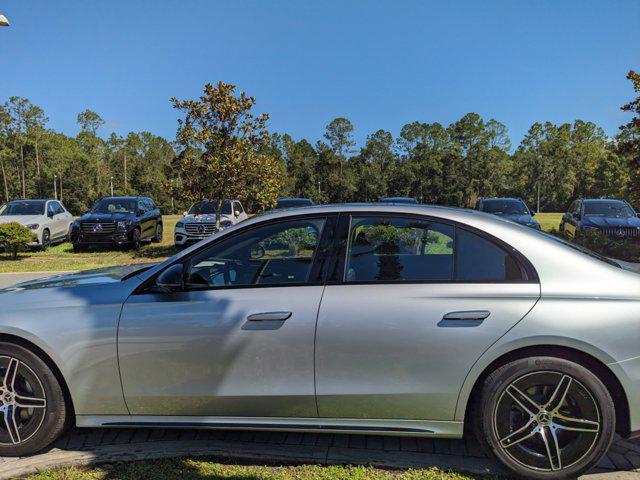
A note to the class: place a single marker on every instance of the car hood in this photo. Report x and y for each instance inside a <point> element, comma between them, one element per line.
<point>87,277</point>
<point>204,218</point>
<point>22,219</point>
<point>105,217</point>
<point>523,219</point>
<point>611,222</point>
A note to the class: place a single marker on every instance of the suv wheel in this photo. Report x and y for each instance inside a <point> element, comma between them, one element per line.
<point>46,239</point>
<point>157,238</point>
<point>136,241</point>
<point>31,401</point>
<point>545,418</point>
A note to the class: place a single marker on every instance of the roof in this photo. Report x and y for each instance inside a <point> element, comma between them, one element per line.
<point>602,200</point>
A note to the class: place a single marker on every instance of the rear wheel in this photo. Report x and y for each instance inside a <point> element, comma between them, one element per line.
<point>136,241</point>
<point>545,418</point>
<point>31,402</point>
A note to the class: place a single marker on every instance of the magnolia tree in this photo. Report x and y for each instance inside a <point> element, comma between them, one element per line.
<point>225,147</point>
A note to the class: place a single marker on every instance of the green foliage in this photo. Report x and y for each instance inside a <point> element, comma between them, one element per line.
<point>14,238</point>
<point>629,139</point>
<point>225,152</point>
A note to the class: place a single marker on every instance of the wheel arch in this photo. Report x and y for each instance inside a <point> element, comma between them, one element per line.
<point>46,358</point>
<point>596,366</point>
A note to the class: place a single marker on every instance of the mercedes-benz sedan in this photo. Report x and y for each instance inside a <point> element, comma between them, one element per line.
<point>382,319</point>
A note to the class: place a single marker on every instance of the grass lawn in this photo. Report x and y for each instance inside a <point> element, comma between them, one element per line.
<point>212,469</point>
<point>62,257</point>
<point>549,221</point>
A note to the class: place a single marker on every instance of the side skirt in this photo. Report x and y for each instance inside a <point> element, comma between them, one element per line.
<point>414,428</point>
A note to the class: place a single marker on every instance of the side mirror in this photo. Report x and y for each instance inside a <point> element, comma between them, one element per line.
<point>184,214</point>
<point>533,213</point>
<point>50,214</point>
<point>171,279</point>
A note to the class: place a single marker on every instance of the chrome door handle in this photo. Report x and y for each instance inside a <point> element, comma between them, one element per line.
<point>467,315</point>
<point>266,316</point>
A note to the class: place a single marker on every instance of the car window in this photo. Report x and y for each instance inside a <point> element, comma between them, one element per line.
<point>276,254</point>
<point>479,259</point>
<point>58,208</point>
<point>608,209</point>
<point>239,207</point>
<point>51,208</point>
<point>505,207</point>
<point>388,249</point>
<point>399,249</point>
<point>142,206</point>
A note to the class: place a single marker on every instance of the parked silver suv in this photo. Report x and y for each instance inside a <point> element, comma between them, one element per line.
<point>200,220</point>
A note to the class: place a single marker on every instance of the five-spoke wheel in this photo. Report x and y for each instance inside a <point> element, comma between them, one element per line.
<point>546,417</point>
<point>32,404</point>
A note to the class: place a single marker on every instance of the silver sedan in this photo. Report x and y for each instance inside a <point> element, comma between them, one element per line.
<point>382,319</point>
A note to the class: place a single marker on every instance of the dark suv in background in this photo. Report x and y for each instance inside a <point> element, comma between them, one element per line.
<point>115,221</point>
<point>609,217</point>
<point>512,208</point>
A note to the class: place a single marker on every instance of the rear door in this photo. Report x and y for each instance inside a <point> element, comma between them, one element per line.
<point>413,306</point>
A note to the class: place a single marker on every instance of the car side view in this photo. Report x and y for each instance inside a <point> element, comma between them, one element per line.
<point>117,221</point>
<point>514,209</point>
<point>47,219</point>
<point>608,217</point>
<point>383,319</point>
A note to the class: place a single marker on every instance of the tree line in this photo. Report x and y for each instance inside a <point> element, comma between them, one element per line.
<point>223,147</point>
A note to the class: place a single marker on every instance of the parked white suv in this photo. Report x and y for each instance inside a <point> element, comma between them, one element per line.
<point>200,220</point>
<point>48,219</point>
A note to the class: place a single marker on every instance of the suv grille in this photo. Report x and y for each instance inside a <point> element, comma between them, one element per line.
<point>621,232</point>
<point>200,229</point>
<point>98,228</point>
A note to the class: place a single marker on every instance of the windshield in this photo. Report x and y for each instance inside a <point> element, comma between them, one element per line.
<point>608,209</point>
<point>505,207</point>
<point>22,208</point>
<point>115,205</point>
<point>293,203</point>
<point>208,207</point>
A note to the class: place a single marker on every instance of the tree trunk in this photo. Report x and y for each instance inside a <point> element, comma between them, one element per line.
<point>61,187</point>
<point>125,172</point>
<point>24,183</point>
<point>37,164</point>
<point>4,179</point>
<point>218,213</point>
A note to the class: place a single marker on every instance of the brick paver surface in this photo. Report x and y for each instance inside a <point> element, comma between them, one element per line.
<point>87,446</point>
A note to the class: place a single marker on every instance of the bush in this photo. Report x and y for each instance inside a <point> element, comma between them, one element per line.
<point>14,238</point>
<point>620,249</point>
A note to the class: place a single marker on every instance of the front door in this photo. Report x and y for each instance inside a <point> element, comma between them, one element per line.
<point>238,340</point>
<point>419,303</point>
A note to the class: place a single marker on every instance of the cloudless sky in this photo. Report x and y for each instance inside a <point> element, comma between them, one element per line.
<point>379,63</point>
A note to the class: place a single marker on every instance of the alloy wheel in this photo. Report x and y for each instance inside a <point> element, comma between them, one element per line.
<point>22,401</point>
<point>547,421</point>
<point>46,239</point>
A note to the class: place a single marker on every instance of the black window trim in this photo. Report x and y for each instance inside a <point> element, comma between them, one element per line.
<point>342,243</point>
<point>316,274</point>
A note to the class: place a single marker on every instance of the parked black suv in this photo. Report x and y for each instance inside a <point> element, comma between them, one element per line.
<point>118,221</point>
<point>514,209</point>
<point>606,216</point>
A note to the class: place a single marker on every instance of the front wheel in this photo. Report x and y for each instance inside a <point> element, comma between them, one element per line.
<point>31,401</point>
<point>46,239</point>
<point>545,418</point>
<point>136,241</point>
<point>157,238</point>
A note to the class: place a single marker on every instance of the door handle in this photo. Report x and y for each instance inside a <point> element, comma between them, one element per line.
<point>467,315</point>
<point>266,316</point>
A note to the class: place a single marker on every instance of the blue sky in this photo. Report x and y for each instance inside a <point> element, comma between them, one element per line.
<point>379,63</point>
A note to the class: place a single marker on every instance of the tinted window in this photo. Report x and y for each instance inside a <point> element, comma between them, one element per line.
<point>275,254</point>
<point>384,249</point>
<point>114,205</point>
<point>152,206</point>
<point>51,208</point>
<point>399,249</point>
<point>479,259</point>
<point>608,209</point>
<point>23,208</point>
<point>208,207</point>
<point>505,207</point>
<point>58,207</point>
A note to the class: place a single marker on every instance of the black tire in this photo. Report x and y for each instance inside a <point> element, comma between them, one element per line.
<point>136,241</point>
<point>157,238</point>
<point>515,438</point>
<point>35,384</point>
<point>46,239</point>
